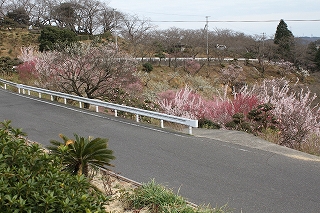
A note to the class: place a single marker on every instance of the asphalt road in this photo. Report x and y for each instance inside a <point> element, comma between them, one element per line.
<point>248,178</point>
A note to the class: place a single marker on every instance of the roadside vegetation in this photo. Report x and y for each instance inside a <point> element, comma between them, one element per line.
<point>34,179</point>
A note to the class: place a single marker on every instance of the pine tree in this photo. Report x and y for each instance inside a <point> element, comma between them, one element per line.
<point>317,59</point>
<point>284,39</point>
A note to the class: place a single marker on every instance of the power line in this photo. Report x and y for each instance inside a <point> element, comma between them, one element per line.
<point>242,21</point>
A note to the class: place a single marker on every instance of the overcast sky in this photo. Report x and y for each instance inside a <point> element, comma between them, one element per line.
<point>267,13</point>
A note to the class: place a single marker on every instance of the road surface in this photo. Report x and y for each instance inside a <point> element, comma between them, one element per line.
<point>248,178</point>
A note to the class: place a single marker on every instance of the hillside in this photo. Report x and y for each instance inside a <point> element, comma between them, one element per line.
<point>207,80</point>
<point>12,41</point>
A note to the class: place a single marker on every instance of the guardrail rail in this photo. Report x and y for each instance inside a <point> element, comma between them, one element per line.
<point>98,103</point>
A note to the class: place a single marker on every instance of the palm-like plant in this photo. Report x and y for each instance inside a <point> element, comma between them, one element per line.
<point>77,154</point>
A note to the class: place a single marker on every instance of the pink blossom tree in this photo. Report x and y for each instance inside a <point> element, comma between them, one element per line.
<point>220,110</point>
<point>184,103</point>
<point>27,69</point>
<point>87,70</point>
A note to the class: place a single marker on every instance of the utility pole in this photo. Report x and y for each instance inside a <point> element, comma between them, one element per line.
<point>207,34</point>
<point>262,59</point>
<point>115,29</point>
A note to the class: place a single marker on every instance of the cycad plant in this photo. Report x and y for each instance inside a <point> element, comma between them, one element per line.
<point>77,154</point>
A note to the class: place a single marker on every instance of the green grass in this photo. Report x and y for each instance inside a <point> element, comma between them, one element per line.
<point>157,198</point>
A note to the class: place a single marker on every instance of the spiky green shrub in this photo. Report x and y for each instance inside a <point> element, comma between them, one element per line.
<point>31,179</point>
<point>77,154</point>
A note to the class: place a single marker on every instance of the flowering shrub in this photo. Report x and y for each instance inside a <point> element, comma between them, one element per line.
<point>220,110</point>
<point>296,117</point>
<point>27,70</point>
<point>273,104</point>
<point>184,103</point>
<point>284,67</point>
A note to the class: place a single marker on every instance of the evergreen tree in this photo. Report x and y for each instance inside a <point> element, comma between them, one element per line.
<point>310,56</point>
<point>51,36</point>
<point>20,16</point>
<point>284,39</point>
<point>317,59</point>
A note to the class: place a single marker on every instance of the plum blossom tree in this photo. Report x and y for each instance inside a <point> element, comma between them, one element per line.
<point>26,70</point>
<point>222,107</point>
<point>187,103</point>
<point>86,70</point>
<point>230,75</point>
<point>271,104</point>
<point>297,117</point>
<point>184,103</point>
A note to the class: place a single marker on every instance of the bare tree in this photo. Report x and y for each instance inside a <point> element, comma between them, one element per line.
<point>43,12</point>
<point>88,15</point>
<point>194,41</point>
<point>172,41</point>
<point>134,30</point>
<point>22,5</point>
<point>110,19</point>
<point>3,8</point>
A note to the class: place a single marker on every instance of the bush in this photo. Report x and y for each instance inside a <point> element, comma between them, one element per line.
<point>6,65</point>
<point>239,123</point>
<point>31,180</point>
<point>208,124</point>
<point>261,118</point>
<point>147,67</point>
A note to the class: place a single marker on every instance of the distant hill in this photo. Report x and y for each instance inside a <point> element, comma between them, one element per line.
<point>307,40</point>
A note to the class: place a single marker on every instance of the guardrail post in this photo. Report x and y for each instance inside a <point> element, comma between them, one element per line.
<point>65,101</point>
<point>137,118</point>
<point>23,91</point>
<point>5,86</point>
<point>19,90</point>
<point>80,104</point>
<point>190,130</point>
<point>39,94</point>
<point>115,113</point>
<point>51,97</point>
<point>28,92</point>
<point>161,124</point>
<point>97,108</point>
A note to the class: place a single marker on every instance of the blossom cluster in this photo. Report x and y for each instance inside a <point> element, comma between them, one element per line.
<point>290,111</point>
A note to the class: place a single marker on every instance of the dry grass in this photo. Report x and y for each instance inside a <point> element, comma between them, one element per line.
<point>112,186</point>
<point>12,41</point>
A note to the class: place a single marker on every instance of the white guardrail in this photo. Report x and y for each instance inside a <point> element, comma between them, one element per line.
<point>98,103</point>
